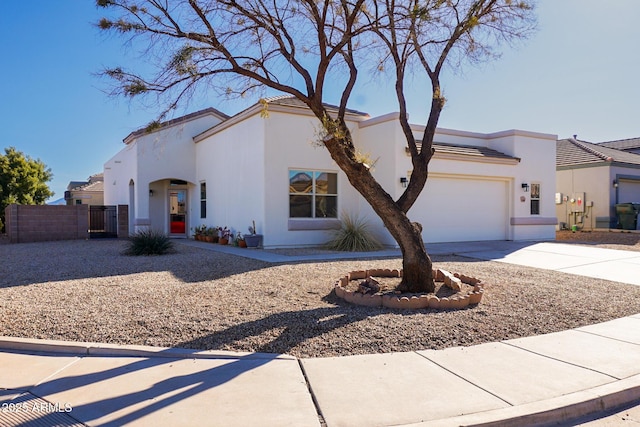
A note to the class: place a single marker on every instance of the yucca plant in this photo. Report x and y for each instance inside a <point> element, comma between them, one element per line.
<point>353,236</point>
<point>149,242</point>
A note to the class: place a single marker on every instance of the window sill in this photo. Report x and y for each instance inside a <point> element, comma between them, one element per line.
<point>297,224</point>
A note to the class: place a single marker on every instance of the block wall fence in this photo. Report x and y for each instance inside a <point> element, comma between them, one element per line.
<point>40,223</point>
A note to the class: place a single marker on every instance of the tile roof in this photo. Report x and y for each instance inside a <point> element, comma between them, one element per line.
<point>572,152</point>
<point>95,183</point>
<point>468,150</point>
<point>622,144</point>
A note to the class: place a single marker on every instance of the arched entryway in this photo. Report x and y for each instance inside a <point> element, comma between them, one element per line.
<point>169,206</point>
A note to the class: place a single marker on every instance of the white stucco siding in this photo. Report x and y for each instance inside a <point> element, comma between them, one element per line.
<point>168,153</point>
<point>291,144</point>
<point>537,154</point>
<point>232,163</point>
<point>119,171</point>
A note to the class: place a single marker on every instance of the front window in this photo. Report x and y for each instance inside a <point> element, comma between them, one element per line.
<point>535,199</point>
<point>313,194</point>
<point>203,200</point>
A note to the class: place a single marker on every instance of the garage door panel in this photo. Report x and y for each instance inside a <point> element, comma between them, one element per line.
<point>462,209</point>
<point>628,191</point>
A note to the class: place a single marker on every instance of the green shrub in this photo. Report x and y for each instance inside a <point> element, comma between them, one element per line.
<point>149,242</point>
<point>353,236</point>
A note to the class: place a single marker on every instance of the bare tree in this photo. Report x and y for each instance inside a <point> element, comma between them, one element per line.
<point>298,46</point>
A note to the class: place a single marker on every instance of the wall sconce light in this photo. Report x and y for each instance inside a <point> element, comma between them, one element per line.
<point>615,183</point>
<point>404,181</point>
<point>150,193</point>
<point>525,187</point>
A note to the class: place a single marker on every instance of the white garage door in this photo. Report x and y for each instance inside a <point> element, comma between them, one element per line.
<point>456,208</point>
<point>628,191</point>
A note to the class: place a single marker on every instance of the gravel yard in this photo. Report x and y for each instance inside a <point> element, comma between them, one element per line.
<point>195,298</point>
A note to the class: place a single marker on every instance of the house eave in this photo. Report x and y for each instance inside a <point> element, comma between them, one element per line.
<point>271,108</point>
<point>476,159</point>
<point>174,122</point>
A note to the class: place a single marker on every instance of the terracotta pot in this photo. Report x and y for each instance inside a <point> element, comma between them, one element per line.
<point>223,241</point>
<point>208,239</point>
<point>242,243</point>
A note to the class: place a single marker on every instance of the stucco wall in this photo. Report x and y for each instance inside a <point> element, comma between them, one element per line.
<point>245,163</point>
<point>291,144</point>
<point>148,161</point>
<point>595,183</point>
<point>232,163</point>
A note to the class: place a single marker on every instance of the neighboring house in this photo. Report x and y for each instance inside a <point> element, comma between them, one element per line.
<point>631,145</point>
<point>591,179</point>
<point>208,168</point>
<point>90,192</point>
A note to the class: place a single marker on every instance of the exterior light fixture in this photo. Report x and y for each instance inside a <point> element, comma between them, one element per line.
<point>615,183</point>
<point>404,181</point>
<point>525,187</point>
<point>150,193</point>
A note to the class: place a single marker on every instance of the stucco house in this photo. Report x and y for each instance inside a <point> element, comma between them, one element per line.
<point>592,179</point>
<point>89,192</point>
<point>208,168</point>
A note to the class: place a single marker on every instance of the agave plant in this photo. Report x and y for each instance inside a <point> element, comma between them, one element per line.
<point>149,242</point>
<point>353,236</point>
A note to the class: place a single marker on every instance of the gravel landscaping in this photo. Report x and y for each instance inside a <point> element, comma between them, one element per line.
<point>195,298</point>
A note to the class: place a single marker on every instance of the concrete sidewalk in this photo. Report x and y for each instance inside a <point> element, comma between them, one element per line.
<point>536,380</point>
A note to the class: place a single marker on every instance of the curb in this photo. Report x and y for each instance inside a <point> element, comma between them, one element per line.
<point>552,411</point>
<point>115,350</point>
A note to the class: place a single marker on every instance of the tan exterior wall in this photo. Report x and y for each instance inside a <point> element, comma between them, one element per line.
<point>39,223</point>
<point>95,198</point>
<point>594,183</point>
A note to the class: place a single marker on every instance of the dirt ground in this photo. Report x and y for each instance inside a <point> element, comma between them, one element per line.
<point>628,241</point>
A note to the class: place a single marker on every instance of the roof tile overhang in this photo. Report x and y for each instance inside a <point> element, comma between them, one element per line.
<point>622,144</point>
<point>469,153</point>
<point>571,153</point>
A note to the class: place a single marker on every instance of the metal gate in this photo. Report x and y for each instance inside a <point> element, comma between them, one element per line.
<point>103,221</point>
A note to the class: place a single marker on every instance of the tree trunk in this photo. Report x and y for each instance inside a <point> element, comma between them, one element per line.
<point>417,274</point>
<point>416,264</point>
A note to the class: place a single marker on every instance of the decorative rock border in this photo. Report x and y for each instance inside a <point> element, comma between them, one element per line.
<point>453,281</point>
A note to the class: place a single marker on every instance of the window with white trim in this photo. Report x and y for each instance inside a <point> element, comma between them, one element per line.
<point>313,194</point>
<point>535,199</point>
<point>203,199</point>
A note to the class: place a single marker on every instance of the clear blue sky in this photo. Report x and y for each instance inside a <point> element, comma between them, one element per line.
<point>577,75</point>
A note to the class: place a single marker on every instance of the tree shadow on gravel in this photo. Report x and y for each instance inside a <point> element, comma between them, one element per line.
<point>291,328</point>
<point>31,263</point>
<point>288,329</point>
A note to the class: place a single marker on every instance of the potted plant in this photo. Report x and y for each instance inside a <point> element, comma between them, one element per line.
<point>240,241</point>
<point>211,234</point>
<point>199,232</point>
<point>225,235</point>
<point>253,240</point>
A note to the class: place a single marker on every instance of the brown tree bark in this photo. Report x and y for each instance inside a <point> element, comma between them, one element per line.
<point>416,263</point>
